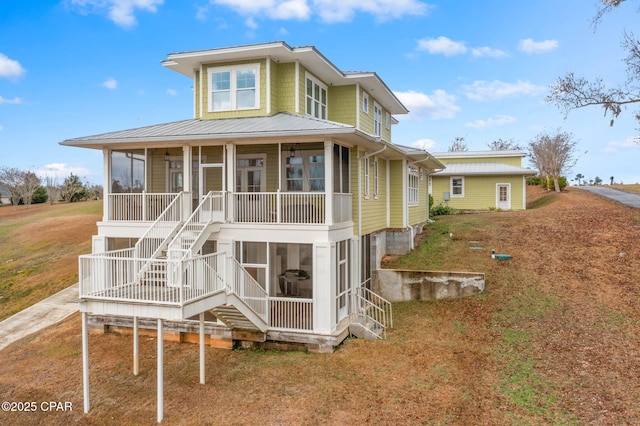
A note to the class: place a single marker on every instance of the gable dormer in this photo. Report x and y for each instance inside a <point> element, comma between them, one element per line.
<point>265,79</point>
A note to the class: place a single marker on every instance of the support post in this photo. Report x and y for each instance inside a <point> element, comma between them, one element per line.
<point>160,357</point>
<point>85,362</point>
<point>136,345</point>
<point>202,348</point>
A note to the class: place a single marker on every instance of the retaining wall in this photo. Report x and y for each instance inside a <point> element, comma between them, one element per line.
<point>397,285</point>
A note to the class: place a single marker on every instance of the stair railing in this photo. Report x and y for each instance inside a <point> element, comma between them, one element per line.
<point>242,284</point>
<point>374,309</point>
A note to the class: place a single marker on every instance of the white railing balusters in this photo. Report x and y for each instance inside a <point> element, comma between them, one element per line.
<point>374,308</point>
<point>138,206</point>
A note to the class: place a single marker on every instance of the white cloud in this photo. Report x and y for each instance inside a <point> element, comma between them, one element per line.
<point>425,144</point>
<point>251,23</point>
<point>172,92</point>
<point>110,83</point>
<point>484,90</point>
<point>617,146</point>
<point>438,105</point>
<point>10,68</point>
<point>1,127</point>
<point>121,12</point>
<point>499,120</point>
<point>329,11</point>
<point>488,51</point>
<point>13,101</point>
<point>61,171</point>
<point>442,45</point>
<point>530,46</point>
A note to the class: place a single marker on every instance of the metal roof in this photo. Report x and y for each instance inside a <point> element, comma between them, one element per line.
<point>282,124</point>
<point>479,154</point>
<point>467,169</point>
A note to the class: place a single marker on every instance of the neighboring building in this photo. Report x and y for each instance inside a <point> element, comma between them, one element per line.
<point>264,215</point>
<point>5,197</point>
<point>481,180</point>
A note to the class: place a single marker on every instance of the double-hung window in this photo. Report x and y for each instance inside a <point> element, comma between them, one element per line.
<point>316,96</point>
<point>413,185</point>
<point>377,119</point>
<point>457,187</point>
<point>234,88</point>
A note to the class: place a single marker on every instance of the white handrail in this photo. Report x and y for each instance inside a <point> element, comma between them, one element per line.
<point>375,308</point>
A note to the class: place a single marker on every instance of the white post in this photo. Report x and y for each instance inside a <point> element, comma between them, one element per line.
<point>136,344</point>
<point>85,362</point>
<point>328,182</point>
<point>160,372</point>
<point>106,184</point>
<point>202,348</point>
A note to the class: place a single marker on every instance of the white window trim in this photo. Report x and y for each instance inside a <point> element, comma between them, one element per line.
<point>388,120</point>
<point>262,169</point>
<point>451,187</point>
<point>232,69</point>
<point>377,119</point>
<point>413,192</point>
<point>306,165</point>
<point>366,178</point>
<point>365,102</point>
<point>376,186</point>
<point>323,86</point>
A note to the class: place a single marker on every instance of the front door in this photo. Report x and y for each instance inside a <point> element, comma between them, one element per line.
<point>212,178</point>
<point>503,196</point>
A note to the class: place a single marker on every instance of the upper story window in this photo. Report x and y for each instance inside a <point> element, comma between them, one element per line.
<point>316,95</point>
<point>387,120</point>
<point>377,119</point>
<point>365,102</point>
<point>413,185</point>
<point>234,88</point>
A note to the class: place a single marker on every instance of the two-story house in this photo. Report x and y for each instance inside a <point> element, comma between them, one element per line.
<point>262,217</point>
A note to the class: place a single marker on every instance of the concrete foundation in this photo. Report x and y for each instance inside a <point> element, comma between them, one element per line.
<point>405,285</point>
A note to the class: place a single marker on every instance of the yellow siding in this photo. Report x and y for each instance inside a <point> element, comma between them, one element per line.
<point>205,114</point>
<point>374,208</point>
<point>157,169</point>
<point>396,193</point>
<point>283,82</point>
<point>418,214</point>
<point>512,161</point>
<point>366,118</point>
<point>341,104</point>
<point>479,192</point>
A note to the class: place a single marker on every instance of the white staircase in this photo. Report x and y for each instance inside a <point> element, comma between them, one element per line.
<point>373,315</point>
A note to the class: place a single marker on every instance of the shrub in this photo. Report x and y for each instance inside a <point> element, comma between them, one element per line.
<point>550,185</point>
<point>441,210</point>
<point>533,180</point>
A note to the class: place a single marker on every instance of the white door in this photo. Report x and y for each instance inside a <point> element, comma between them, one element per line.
<point>503,196</point>
<point>212,178</point>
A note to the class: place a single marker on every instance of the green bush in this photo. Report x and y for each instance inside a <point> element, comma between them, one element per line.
<point>441,210</point>
<point>533,180</point>
<point>430,201</point>
<point>550,185</point>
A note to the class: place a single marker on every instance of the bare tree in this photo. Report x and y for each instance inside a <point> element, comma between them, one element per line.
<point>553,154</point>
<point>504,145</point>
<point>458,145</point>
<point>52,187</point>
<point>11,179</point>
<point>573,92</point>
<point>30,182</point>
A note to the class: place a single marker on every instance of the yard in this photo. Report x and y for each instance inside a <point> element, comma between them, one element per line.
<point>554,339</point>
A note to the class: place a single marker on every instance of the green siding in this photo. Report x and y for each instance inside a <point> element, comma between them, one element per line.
<point>374,208</point>
<point>419,213</point>
<point>283,83</point>
<point>512,161</point>
<point>479,192</point>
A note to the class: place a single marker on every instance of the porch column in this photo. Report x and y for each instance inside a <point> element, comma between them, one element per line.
<point>160,357</point>
<point>324,290</point>
<point>106,183</point>
<point>187,164</point>
<point>328,182</point>
<point>85,363</point>
<point>136,344</point>
<point>202,348</point>
<point>230,166</point>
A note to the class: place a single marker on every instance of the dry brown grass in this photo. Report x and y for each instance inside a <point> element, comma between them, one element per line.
<point>552,340</point>
<point>628,188</point>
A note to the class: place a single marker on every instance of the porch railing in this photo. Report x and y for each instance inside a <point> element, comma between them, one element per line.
<point>138,206</point>
<point>243,285</point>
<point>289,207</point>
<point>291,314</point>
<point>115,276</point>
<point>157,236</point>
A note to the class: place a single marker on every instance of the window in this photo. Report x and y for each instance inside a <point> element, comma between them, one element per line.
<point>366,177</point>
<point>388,120</point>
<point>316,98</point>
<point>365,103</point>
<point>412,185</point>
<point>375,177</point>
<point>304,171</point>
<point>340,169</point>
<point>250,174</point>
<point>127,171</point>
<point>377,119</point>
<point>457,187</point>
<point>234,88</point>
<point>253,257</point>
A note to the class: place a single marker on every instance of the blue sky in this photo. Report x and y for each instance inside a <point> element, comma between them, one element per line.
<point>478,70</point>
